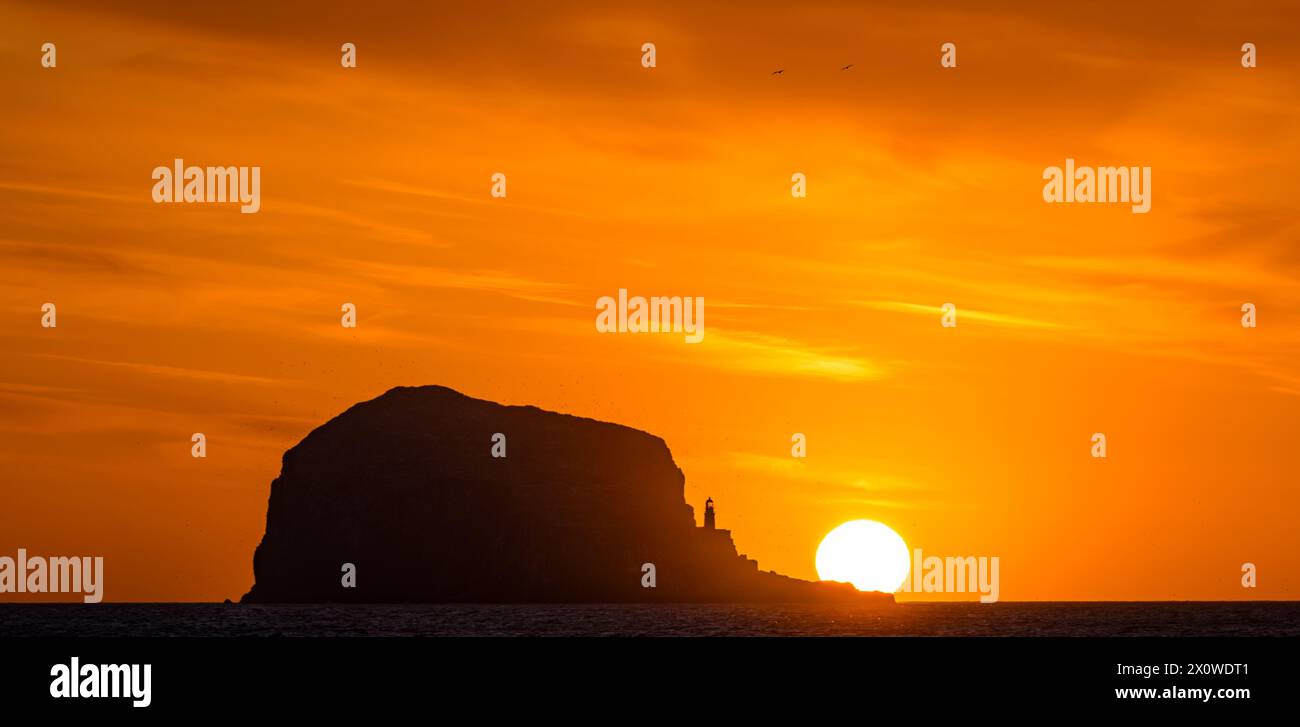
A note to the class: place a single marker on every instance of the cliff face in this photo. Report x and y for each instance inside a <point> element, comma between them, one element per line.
<point>405,488</point>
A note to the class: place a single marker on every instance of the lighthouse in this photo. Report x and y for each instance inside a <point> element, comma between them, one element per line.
<point>708,514</point>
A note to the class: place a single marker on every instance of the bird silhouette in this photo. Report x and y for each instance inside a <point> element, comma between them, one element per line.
<point>778,71</point>
<point>847,67</point>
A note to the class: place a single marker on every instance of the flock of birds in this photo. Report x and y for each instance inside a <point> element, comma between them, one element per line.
<point>779,71</point>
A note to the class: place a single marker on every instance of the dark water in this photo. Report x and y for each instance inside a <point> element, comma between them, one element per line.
<point>1000,619</point>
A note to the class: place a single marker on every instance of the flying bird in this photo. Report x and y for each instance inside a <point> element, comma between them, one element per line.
<point>847,67</point>
<point>778,71</point>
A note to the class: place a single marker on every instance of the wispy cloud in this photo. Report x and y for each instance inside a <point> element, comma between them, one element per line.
<point>389,231</point>
<point>391,187</point>
<point>1218,272</point>
<point>73,192</point>
<point>173,371</point>
<point>429,276</point>
<point>773,355</point>
<point>831,485</point>
<point>963,314</point>
<point>797,468</point>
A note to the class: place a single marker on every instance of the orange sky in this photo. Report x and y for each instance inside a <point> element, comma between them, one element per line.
<point>924,187</point>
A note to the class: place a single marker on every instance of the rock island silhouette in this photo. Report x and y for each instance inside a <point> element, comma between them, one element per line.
<point>406,489</point>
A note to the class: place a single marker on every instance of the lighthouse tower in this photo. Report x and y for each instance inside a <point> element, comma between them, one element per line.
<point>708,514</point>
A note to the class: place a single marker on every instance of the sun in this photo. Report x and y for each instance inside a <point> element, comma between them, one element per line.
<point>865,553</point>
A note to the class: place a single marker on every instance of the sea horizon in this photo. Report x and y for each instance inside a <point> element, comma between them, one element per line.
<point>1038,618</point>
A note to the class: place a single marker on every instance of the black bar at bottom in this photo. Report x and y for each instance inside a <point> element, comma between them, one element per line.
<point>565,677</point>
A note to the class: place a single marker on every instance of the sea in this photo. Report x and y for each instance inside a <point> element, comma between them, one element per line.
<point>1086,619</point>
